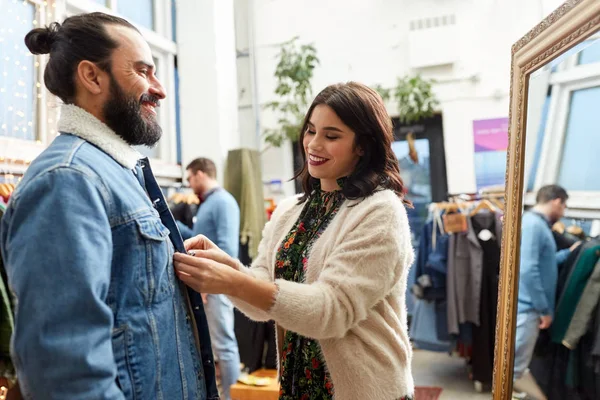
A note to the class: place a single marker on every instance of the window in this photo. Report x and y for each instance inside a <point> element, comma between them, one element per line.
<point>18,68</point>
<point>579,164</point>
<point>139,11</point>
<point>589,55</point>
<point>567,140</point>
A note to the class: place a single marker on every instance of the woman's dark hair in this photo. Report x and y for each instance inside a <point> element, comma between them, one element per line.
<point>363,111</point>
<point>81,37</point>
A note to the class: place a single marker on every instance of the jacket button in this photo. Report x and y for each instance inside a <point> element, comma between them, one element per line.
<point>196,308</point>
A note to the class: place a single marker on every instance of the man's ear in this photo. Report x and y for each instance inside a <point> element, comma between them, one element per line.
<point>91,78</point>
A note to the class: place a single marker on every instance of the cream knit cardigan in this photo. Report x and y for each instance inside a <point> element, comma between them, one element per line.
<point>353,297</point>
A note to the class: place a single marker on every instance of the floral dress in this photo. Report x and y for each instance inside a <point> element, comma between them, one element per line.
<point>304,375</point>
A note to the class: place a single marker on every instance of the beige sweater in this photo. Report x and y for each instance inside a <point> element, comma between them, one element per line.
<point>353,298</point>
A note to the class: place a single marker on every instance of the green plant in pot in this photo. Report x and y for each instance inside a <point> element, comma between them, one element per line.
<point>415,98</point>
<point>293,74</point>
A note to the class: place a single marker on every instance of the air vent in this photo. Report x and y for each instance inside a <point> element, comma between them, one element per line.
<point>432,41</point>
<point>433,22</point>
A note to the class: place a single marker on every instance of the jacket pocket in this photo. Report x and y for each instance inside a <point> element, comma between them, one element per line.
<point>157,276</point>
<point>126,361</point>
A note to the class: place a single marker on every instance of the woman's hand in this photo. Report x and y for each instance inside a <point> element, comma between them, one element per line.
<point>204,275</point>
<point>201,246</point>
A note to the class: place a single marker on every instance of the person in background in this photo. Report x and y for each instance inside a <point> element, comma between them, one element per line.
<point>99,313</point>
<point>538,279</point>
<point>332,266</point>
<point>218,218</point>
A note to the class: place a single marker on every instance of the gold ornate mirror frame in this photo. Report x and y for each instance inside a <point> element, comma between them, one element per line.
<point>570,24</point>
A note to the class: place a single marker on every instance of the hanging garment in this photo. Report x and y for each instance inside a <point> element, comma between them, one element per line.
<point>484,334</point>
<point>560,372</point>
<point>243,179</point>
<point>184,213</point>
<point>431,262</point>
<point>584,311</point>
<point>465,269</point>
<point>564,240</point>
<point>572,292</point>
<point>7,324</point>
<point>253,336</point>
<point>423,329</point>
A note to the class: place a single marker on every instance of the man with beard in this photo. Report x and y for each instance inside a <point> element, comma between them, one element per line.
<point>88,240</point>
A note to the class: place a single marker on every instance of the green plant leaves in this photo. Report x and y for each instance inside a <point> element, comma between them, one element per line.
<point>293,73</point>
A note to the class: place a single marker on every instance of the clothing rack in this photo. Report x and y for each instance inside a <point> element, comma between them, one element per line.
<point>470,202</point>
<point>452,312</point>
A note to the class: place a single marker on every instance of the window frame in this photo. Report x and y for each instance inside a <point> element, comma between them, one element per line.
<point>569,77</point>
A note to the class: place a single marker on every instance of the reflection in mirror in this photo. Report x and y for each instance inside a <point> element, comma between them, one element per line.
<point>557,341</point>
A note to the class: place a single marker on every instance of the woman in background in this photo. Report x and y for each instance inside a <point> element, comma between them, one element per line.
<point>332,264</point>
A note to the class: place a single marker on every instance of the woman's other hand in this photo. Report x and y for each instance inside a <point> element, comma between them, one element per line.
<point>203,247</point>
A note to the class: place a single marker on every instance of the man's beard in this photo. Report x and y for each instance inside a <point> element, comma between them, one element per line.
<point>123,114</point>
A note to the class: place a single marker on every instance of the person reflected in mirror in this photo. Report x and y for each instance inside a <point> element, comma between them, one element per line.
<point>333,262</point>
<point>218,218</point>
<point>538,279</point>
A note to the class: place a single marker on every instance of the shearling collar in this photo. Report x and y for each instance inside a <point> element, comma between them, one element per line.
<point>78,122</point>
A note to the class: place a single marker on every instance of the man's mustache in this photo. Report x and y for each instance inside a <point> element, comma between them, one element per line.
<point>150,98</point>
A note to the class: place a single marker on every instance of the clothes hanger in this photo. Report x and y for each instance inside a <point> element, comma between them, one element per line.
<point>483,204</point>
<point>498,203</point>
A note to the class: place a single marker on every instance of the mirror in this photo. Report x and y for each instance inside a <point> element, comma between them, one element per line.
<point>558,252</point>
<point>548,341</point>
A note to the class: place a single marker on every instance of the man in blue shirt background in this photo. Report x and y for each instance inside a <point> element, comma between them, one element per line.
<point>538,278</point>
<point>218,219</point>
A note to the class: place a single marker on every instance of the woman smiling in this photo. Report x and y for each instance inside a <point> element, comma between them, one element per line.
<point>332,264</point>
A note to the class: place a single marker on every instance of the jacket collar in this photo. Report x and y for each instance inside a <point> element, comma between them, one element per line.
<point>78,122</point>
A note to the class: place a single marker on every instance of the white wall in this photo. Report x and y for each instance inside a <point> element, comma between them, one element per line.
<point>208,87</point>
<point>367,41</point>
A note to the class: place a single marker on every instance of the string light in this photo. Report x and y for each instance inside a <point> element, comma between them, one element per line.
<point>19,71</point>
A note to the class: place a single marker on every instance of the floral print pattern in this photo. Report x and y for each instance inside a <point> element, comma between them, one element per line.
<point>304,374</point>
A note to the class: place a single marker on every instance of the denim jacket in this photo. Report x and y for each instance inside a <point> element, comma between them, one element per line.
<point>99,312</point>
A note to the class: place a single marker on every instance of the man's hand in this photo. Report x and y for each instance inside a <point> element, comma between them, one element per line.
<point>545,321</point>
<point>576,245</point>
<point>204,298</point>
